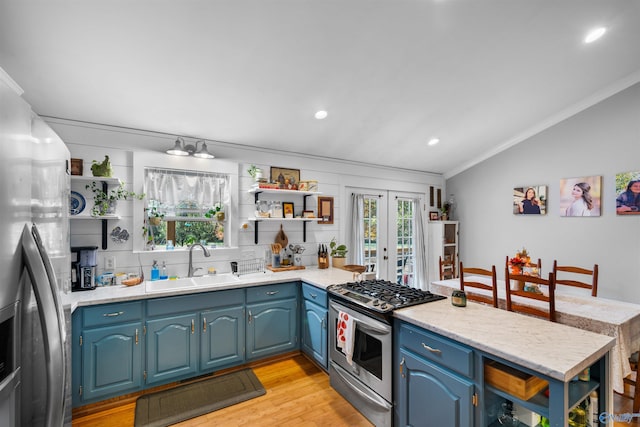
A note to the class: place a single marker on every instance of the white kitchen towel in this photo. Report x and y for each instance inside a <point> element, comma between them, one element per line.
<point>345,335</point>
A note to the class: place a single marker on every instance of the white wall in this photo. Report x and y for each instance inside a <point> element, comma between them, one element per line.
<point>602,140</point>
<point>92,142</point>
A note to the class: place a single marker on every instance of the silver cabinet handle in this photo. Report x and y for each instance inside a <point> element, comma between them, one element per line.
<point>204,324</point>
<point>193,326</point>
<point>250,316</point>
<point>431,349</point>
<point>118,313</point>
<point>272,292</point>
<point>314,296</point>
<point>402,368</point>
<point>136,336</point>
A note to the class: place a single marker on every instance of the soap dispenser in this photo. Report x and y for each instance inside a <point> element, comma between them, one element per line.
<point>163,271</point>
<point>155,271</point>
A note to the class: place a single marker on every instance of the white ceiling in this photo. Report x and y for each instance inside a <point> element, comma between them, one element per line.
<point>481,75</point>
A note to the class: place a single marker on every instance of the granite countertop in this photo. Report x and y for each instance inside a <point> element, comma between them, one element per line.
<point>320,278</point>
<point>552,349</point>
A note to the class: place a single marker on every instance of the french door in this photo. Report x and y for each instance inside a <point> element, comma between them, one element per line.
<point>386,240</point>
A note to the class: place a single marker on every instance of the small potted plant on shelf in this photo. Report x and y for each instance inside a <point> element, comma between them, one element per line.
<point>104,202</point>
<point>255,172</point>
<point>155,217</point>
<point>338,253</point>
<point>217,211</point>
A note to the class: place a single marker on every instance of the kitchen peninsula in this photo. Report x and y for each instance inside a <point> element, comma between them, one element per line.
<point>551,351</point>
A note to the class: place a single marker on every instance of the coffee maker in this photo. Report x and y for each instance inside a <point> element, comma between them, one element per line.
<point>83,268</point>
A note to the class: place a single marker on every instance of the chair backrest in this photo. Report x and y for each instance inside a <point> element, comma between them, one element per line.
<point>447,269</point>
<point>591,284</point>
<point>519,305</point>
<point>467,282</point>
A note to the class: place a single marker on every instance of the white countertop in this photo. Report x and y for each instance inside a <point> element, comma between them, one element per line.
<point>121,293</point>
<point>555,350</point>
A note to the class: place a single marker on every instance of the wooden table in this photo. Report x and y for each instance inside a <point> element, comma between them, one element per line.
<point>604,316</point>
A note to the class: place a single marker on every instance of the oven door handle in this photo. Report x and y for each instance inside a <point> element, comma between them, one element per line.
<point>376,400</point>
<point>371,329</point>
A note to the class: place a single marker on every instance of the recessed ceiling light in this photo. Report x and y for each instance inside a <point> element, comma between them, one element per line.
<point>433,141</point>
<point>321,114</point>
<point>595,34</point>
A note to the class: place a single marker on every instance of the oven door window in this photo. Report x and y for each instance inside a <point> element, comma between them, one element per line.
<point>367,352</point>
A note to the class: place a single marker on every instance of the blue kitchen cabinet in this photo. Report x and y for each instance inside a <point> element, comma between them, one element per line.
<point>172,348</point>
<point>106,351</point>
<point>314,320</point>
<point>222,337</point>
<point>434,382</point>
<point>271,322</point>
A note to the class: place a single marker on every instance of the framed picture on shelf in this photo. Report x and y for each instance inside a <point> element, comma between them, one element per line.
<point>287,179</point>
<point>76,167</point>
<point>308,214</point>
<point>287,209</point>
<point>325,210</point>
<point>433,216</point>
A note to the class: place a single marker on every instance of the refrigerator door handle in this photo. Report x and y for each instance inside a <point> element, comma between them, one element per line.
<point>45,289</point>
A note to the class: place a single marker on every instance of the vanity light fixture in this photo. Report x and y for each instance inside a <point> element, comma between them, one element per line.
<point>182,149</point>
<point>595,34</point>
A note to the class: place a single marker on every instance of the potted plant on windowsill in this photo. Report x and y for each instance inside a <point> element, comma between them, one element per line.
<point>105,202</point>
<point>338,254</point>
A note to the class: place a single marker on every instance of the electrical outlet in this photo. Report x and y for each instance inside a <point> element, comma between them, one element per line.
<point>110,263</point>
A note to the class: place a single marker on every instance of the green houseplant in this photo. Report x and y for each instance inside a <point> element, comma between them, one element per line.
<point>104,202</point>
<point>217,211</point>
<point>155,217</point>
<point>338,253</point>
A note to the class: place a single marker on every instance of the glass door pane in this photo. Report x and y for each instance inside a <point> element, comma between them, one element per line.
<point>404,224</point>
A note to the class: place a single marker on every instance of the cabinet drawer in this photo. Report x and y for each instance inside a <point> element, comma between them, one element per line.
<point>439,349</point>
<point>110,314</point>
<point>271,292</point>
<point>317,295</point>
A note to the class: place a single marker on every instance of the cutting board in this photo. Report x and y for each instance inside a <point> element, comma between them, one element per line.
<point>287,268</point>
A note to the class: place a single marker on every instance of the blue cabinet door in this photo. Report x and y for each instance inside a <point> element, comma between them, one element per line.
<point>222,338</point>
<point>111,361</point>
<point>271,328</point>
<point>428,395</point>
<point>314,332</point>
<point>172,345</point>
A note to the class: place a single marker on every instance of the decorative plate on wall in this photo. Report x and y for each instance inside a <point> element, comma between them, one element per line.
<point>77,203</point>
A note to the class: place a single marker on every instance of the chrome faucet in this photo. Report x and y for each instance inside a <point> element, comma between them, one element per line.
<point>206,253</point>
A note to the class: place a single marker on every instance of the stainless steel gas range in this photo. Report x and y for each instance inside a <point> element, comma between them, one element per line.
<point>364,376</point>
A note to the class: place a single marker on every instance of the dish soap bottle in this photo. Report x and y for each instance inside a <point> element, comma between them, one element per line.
<point>155,271</point>
<point>163,271</point>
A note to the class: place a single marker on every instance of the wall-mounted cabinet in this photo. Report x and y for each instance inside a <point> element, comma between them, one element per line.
<point>257,191</point>
<point>80,207</point>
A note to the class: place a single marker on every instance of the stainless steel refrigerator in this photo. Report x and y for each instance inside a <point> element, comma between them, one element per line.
<point>34,266</point>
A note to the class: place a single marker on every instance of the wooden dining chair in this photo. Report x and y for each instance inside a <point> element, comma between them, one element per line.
<point>466,282</point>
<point>548,312</point>
<point>447,269</point>
<point>633,381</point>
<point>570,276</point>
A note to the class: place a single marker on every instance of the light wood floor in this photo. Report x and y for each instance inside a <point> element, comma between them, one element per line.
<point>298,394</point>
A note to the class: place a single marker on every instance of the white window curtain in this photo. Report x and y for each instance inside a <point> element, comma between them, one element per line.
<point>357,229</point>
<point>419,250</point>
<point>169,189</point>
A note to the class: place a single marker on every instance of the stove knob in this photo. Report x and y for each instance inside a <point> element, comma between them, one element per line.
<point>383,306</point>
<point>376,302</point>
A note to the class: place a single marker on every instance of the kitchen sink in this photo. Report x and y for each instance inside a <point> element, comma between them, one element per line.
<point>165,285</point>
<point>215,279</point>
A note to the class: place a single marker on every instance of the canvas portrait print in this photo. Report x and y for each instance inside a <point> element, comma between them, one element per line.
<point>628,193</point>
<point>530,200</point>
<point>580,196</point>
